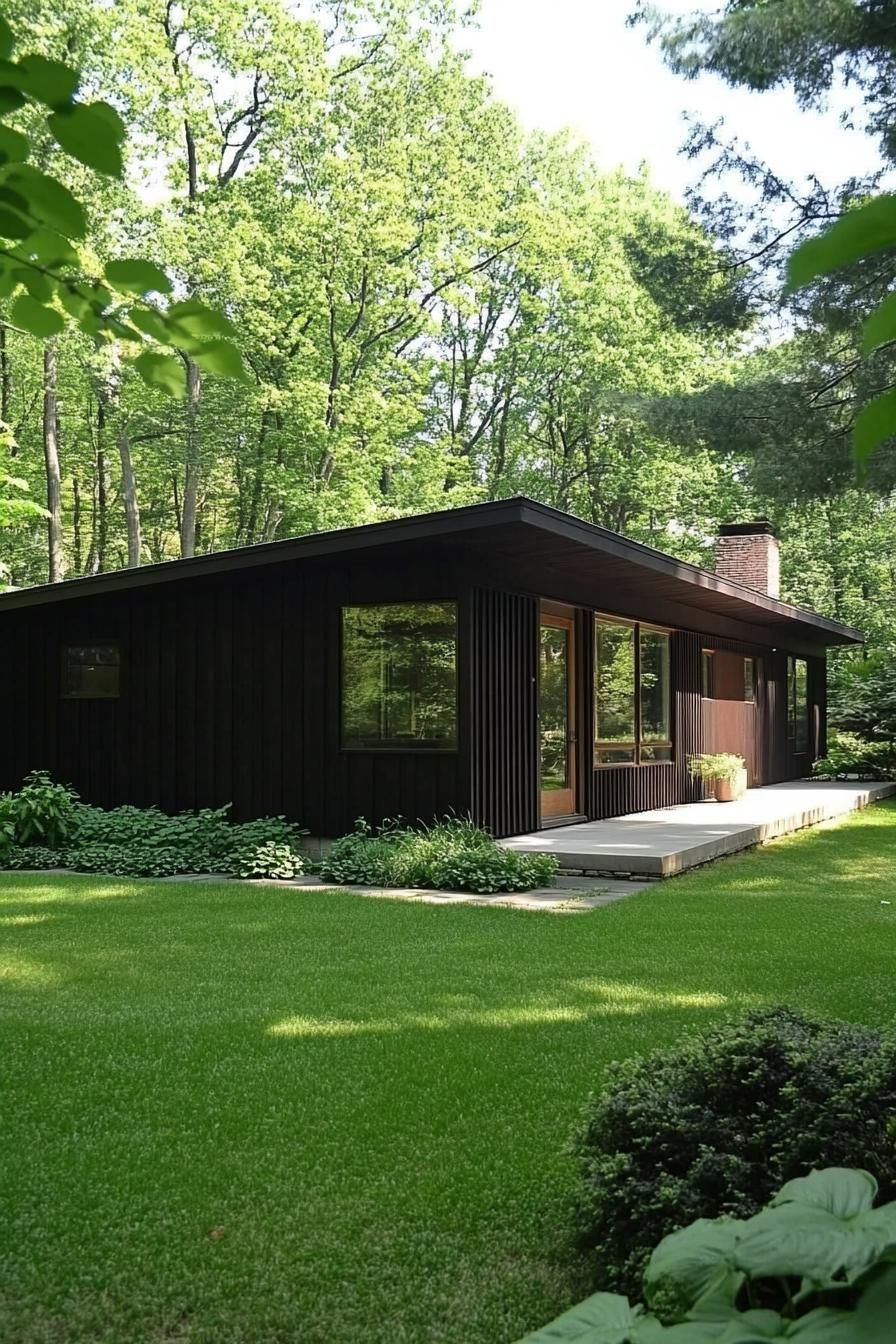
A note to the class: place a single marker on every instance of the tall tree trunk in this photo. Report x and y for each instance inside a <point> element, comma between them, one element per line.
<point>76,525</point>
<point>51,459</point>
<point>188,511</point>
<point>5,380</point>
<point>99,531</point>
<point>129,495</point>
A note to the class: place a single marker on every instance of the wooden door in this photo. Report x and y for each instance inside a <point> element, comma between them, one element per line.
<point>557,717</point>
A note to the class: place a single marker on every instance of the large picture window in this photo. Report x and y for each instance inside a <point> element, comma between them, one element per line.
<point>798,703</point>
<point>399,676</point>
<point>632,694</point>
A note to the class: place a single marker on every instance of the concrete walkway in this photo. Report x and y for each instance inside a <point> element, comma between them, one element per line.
<point>568,896</point>
<point>672,839</point>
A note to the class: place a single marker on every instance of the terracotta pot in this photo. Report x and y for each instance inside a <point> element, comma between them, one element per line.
<point>728,790</point>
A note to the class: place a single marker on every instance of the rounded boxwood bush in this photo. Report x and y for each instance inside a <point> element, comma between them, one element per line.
<point>717,1124</point>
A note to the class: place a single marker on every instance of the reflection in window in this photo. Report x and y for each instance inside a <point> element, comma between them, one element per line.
<point>632,695</point>
<point>798,703</point>
<point>614,693</point>
<point>749,680</point>
<point>554,704</point>
<point>90,671</point>
<point>399,675</point>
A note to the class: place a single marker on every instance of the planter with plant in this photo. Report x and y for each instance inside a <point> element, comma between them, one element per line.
<point>724,772</point>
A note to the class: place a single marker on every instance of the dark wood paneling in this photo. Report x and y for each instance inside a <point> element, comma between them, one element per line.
<point>504,711</point>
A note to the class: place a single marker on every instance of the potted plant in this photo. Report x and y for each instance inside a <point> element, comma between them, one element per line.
<point>723,771</point>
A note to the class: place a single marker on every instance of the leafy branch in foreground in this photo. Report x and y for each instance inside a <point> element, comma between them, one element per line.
<point>858,234</point>
<point>43,281</point>
<point>818,1265</point>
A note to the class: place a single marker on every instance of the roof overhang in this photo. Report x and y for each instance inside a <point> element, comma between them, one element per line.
<point>558,539</point>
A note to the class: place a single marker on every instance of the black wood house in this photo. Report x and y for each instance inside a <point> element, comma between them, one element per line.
<point>504,660</point>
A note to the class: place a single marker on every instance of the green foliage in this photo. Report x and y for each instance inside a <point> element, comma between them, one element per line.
<point>272,858</point>
<point>450,855</point>
<point>44,265</point>
<point>40,813</point>
<point>817,1265</point>
<point>850,754</point>
<point>29,856</point>
<point>722,765</point>
<point>716,1124</point>
<point>863,697</point>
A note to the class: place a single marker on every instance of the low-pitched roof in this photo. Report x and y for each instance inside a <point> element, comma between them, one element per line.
<point>545,532</point>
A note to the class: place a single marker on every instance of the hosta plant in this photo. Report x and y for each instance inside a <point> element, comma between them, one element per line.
<point>817,1266</point>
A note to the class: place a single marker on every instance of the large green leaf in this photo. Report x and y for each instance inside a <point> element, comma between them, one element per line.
<point>842,1191</point>
<point>876,1311</point>
<point>137,277</point>
<point>51,202</point>
<point>875,423</point>
<point>825,1325</point>
<point>693,1257</point>
<point>605,1318</point>
<point>149,321</point>
<point>880,327</point>
<point>49,248</point>
<point>801,1241</point>
<point>161,371</point>
<point>7,41</point>
<point>859,233</point>
<point>222,358</point>
<point>196,319</point>
<point>14,147</point>
<point>38,285</point>
<point>13,225</point>
<point>49,82</point>
<point>10,99</point>
<point>32,316</point>
<point>92,133</point>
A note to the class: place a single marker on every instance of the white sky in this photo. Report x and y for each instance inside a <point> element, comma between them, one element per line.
<point>573,63</point>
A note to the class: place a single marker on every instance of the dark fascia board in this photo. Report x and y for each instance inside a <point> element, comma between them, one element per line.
<point>433,527</point>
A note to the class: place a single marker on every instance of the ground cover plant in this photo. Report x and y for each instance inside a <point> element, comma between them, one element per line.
<point>250,1114</point>
<point>44,825</point>
<point>451,854</point>
<point>816,1265</point>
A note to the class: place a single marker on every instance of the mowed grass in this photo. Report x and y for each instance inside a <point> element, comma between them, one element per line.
<point>235,1114</point>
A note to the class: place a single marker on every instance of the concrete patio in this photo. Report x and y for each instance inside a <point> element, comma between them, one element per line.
<point>670,840</point>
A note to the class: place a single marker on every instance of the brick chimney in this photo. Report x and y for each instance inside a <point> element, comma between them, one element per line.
<point>748,553</point>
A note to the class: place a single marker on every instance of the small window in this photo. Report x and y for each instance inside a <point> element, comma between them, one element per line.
<point>798,703</point>
<point>749,680</point>
<point>399,676</point>
<point>707,674</point>
<point>90,671</point>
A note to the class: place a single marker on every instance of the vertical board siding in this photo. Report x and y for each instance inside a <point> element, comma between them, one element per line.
<point>504,711</point>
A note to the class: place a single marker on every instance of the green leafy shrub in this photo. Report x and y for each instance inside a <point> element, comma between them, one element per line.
<point>850,754</point>
<point>816,1266</point>
<point>269,859</point>
<point>32,856</point>
<point>136,860</point>
<point>719,765</point>
<point>716,1124</point>
<point>40,813</point>
<point>451,854</point>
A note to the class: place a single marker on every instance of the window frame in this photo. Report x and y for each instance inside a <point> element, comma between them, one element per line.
<point>64,693</point>
<point>707,661</point>
<point>638,745</point>
<point>404,748</point>
<point>793,719</point>
<point>750,662</point>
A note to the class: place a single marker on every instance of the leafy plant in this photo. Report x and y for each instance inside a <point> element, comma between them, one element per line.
<point>716,1124</point>
<point>40,813</point>
<point>31,857</point>
<point>42,224</point>
<point>451,854</point>
<point>849,754</point>
<point>721,765</point>
<point>818,1265</point>
<point>270,859</point>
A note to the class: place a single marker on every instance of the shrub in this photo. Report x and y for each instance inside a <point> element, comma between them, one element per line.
<point>720,765</point>
<point>816,1265</point>
<point>717,1124</point>
<point>862,697</point>
<point>40,813</point>
<point>451,854</point>
<point>849,754</point>
<point>31,856</point>
<point>137,860</point>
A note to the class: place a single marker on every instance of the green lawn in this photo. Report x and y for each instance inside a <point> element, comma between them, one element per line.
<point>235,1114</point>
